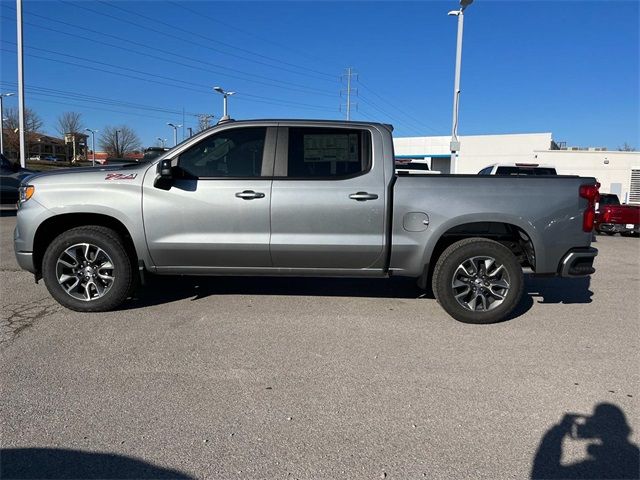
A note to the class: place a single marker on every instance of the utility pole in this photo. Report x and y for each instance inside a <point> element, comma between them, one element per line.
<point>349,75</point>
<point>2,95</point>
<point>203,121</point>
<point>21,112</point>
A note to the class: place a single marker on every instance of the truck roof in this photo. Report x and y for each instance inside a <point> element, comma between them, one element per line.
<point>303,121</point>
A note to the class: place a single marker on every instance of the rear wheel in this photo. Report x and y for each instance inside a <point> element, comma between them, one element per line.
<point>87,269</point>
<point>477,280</point>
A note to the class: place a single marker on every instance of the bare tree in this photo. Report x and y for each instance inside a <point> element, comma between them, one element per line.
<point>627,148</point>
<point>119,141</point>
<point>204,121</point>
<point>69,122</point>
<point>33,124</point>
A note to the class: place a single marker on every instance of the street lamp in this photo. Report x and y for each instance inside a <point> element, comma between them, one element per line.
<point>162,141</point>
<point>2,95</point>
<point>175,132</point>
<point>117,146</point>
<point>225,115</point>
<point>93,145</point>
<point>455,143</point>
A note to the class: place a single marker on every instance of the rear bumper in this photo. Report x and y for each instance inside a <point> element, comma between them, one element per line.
<point>619,227</point>
<point>578,262</point>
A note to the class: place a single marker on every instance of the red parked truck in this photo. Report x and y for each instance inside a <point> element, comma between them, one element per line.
<point>612,217</point>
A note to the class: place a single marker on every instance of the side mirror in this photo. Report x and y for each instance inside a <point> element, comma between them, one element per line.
<point>165,175</point>
<point>164,169</point>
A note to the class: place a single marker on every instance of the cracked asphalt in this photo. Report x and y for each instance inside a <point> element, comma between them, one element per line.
<point>302,378</point>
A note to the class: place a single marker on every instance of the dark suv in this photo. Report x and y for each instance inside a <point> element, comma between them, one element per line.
<point>11,174</point>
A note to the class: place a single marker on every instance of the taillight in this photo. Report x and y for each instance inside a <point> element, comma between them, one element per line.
<point>589,192</point>
<point>606,216</point>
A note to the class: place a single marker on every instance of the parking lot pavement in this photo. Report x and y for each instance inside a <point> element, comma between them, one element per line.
<point>301,378</point>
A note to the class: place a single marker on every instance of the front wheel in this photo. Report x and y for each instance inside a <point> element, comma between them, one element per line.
<point>477,280</point>
<point>87,269</point>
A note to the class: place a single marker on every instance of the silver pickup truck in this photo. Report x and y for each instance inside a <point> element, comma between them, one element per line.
<point>301,198</point>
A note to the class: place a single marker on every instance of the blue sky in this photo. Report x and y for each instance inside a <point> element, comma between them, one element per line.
<point>568,67</point>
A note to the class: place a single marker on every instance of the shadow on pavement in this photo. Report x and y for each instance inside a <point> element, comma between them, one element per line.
<point>610,454</point>
<point>55,463</point>
<point>164,289</point>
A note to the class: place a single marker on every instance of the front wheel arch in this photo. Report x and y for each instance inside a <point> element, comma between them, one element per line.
<point>52,227</point>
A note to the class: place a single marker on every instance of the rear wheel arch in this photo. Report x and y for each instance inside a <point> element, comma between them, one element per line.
<point>512,236</point>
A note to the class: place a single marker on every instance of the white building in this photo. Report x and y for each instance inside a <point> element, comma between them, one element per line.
<point>617,172</point>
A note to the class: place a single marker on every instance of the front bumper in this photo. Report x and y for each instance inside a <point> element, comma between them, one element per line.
<point>619,227</point>
<point>25,261</point>
<point>578,262</point>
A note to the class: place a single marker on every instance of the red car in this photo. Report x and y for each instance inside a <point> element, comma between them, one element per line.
<point>612,218</point>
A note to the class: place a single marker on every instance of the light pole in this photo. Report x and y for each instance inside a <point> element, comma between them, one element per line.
<point>175,132</point>
<point>455,143</point>
<point>225,115</point>
<point>93,145</point>
<point>190,131</point>
<point>117,147</point>
<point>2,95</point>
<point>162,141</point>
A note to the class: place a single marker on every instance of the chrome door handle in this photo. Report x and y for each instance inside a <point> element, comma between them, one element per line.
<point>249,195</point>
<point>362,196</point>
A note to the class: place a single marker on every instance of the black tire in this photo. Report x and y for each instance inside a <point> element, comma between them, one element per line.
<point>110,242</point>
<point>611,234</point>
<point>456,255</point>
<point>630,234</point>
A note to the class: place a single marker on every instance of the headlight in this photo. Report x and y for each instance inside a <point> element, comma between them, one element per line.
<point>25,192</point>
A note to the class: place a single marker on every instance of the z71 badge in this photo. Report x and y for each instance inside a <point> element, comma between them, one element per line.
<point>120,176</point>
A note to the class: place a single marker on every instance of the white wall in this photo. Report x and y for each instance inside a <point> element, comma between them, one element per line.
<point>479,151</point>
<point>594,164</point>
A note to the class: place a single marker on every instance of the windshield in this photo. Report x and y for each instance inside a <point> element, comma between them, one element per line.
<point>608,199</point>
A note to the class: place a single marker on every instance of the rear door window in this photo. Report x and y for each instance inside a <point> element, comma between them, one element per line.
<point>328,152</point>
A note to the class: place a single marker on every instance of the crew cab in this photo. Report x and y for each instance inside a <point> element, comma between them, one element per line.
<point>301,198</point>
<point>612,217</point>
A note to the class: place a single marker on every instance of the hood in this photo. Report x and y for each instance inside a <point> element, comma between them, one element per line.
<point>128,171</point>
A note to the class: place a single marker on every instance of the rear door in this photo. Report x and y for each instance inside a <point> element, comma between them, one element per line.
<point>328,200</point>
<point>216,212</point>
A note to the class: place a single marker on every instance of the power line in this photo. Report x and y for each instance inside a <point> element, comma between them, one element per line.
<point>409,116</point>
<point>97,100</point>
<point>181,83</point>
<point>210,39</point>
<point>252,35</point>
<point>246,76</point>
<point>393,117</point>
<point>175,37</point>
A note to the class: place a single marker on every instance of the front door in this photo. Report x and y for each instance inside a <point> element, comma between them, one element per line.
<point>216,212</point>
<point>328,203</point>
